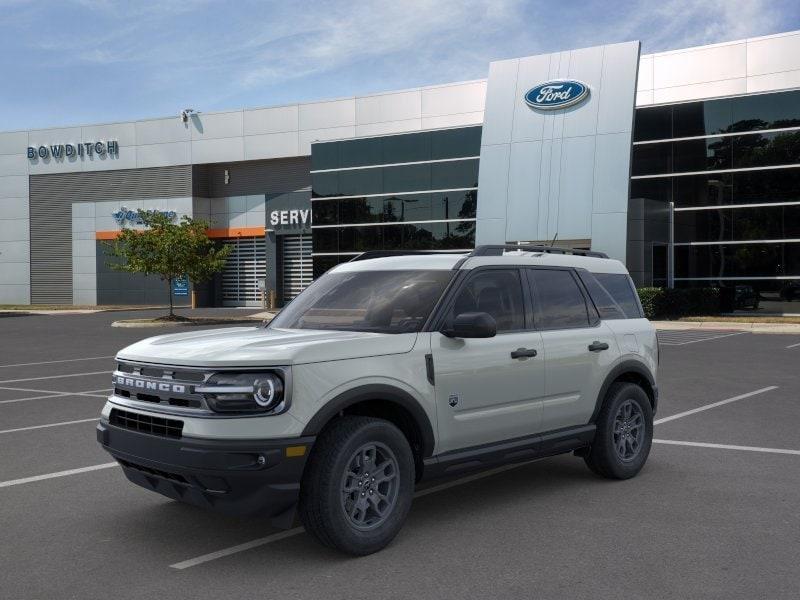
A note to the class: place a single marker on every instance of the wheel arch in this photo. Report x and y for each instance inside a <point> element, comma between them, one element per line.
<point>631,371</point>
<point>384,401</point>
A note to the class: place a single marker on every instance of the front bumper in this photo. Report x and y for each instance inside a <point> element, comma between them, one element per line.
<point>235,477</point>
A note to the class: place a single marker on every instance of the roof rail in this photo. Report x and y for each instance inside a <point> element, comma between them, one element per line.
<point>384,253</point>
<point>498,249</point>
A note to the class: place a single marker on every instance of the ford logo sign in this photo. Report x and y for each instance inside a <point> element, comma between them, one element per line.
<point>556,94</point>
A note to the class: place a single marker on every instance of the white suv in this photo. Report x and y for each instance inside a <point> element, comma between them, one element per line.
<point>386,371</point>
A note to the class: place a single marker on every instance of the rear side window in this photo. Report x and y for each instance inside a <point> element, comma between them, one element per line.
<point>620,288</point>
<point>558,301</point>
<point>607,307</point>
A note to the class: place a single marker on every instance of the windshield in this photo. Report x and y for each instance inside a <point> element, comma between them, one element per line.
<point>379,301</point>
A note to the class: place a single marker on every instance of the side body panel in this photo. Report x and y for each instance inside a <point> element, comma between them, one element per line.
<point>574,373</point>
<point>482,394</point>
<point>637,340</point>
<point>317,384</point>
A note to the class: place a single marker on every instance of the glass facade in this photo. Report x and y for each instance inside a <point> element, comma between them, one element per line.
<point>731,168</point>
<point>408,191</point>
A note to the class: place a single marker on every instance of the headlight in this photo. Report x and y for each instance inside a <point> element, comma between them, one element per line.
<point>244,392</point>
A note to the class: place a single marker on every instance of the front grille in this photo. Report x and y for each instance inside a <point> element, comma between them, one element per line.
<point>171,428</point>
<point>171,386</point>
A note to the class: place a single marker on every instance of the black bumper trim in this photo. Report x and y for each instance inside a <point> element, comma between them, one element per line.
<point>235,477</point>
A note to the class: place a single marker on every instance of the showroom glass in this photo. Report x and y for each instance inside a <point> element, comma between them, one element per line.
<point>374,301</point>
<point>715,189</point>
<point>738,260</point>
<point>411,147</point>
<point>397,208</point>
<point>419,236</point>
<point>717,153</point>
<point>729,115</point>
<point>396,179</point>
<point>497,292</point>
<point>364,183</point>
<point>558,300</point>
<point>733,224</point>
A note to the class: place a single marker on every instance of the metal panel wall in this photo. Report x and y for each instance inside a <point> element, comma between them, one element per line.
<point>51,198</point>
<point>559,172</point>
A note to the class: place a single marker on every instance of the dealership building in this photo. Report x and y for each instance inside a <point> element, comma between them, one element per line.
<point>683,164</point>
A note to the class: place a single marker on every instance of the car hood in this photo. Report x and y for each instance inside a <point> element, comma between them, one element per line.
<point>256,346</point>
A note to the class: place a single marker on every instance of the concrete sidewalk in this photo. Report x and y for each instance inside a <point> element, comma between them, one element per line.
<point>753,326</point>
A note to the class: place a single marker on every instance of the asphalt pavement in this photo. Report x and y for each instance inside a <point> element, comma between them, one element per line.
<point>712,515</point>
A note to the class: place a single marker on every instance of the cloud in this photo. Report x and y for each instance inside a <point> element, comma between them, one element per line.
<point>337,35</point>
<point>154,55</point>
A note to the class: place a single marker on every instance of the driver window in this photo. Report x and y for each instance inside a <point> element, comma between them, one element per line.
<point>496,292</point>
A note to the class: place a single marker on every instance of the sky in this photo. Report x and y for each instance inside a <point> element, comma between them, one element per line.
<point>71,62</point>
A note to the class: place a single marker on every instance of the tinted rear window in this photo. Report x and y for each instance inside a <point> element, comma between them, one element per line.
<point>606,306</point>
<point>620,288</point>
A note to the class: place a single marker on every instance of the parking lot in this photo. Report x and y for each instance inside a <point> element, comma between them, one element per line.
<point>713,515</point>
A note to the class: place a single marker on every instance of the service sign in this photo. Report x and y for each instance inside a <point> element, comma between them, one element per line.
<point>556,94</point>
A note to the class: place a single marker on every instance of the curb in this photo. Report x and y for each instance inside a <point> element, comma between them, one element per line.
<point>210,322</point>
<point>751,326</point>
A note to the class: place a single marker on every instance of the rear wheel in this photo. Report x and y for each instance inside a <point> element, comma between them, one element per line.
<point>624,433</point>
<point>357,489</point>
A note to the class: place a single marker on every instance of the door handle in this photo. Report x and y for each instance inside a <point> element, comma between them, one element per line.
<point>523,353</point>
<point>597,346</point>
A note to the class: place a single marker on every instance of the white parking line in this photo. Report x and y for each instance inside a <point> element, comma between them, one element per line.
<point>192,562</point>
<point>24,480</point>
<point>714,405</point>
<point>55,376</point>
<point>48,425</point>
<point>52,394</point>
<point>727,447</point>
<point>50,362</point>
<point>792,346</point>
<point>680,338</point>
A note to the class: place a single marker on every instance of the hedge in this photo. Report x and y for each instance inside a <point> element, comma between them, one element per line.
<point>664,303</point>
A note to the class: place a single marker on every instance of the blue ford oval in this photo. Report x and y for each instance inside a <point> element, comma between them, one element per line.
<point>556,94</point>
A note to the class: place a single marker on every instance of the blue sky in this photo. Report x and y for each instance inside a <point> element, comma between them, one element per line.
<point>70,62</point>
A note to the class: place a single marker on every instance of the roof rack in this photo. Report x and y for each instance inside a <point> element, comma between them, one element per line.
<point>498,249</point>
<point>384,253</point>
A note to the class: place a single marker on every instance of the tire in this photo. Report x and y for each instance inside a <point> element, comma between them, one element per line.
<point>335,492</point>
<point>616,457</point>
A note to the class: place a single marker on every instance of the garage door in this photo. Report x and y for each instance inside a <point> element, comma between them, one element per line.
<point>297,265</point>
<point>246,265</point>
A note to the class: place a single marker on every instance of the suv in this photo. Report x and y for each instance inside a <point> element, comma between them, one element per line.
<point>387,371</point>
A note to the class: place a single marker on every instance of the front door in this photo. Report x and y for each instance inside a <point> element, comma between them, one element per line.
<point>483,394</point>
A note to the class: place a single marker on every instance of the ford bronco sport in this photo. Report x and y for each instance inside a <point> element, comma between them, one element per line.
<point>387,371</point>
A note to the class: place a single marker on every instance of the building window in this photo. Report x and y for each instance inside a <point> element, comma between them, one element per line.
<point>735,187</point>
<point>397,192</point>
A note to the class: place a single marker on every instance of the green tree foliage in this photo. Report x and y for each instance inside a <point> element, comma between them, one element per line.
<point>168,249</point>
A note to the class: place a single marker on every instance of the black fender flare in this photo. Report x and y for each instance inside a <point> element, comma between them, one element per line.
<point>627,366</point>
<point>375,391</point>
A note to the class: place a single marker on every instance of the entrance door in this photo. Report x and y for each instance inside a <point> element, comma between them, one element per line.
<point>297,265</point>
<point>246,265</point>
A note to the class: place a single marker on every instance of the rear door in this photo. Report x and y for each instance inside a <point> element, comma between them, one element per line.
<point>484,393</point>
<point>579,348</point>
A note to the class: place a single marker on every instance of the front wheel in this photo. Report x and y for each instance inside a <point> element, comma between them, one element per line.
<point>358,486</point>
<point>624,433</point>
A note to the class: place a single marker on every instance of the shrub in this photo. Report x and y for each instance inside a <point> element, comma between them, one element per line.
<point>664,303</point>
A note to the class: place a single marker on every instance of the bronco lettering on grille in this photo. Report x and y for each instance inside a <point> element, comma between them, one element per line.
<point>144,384</point>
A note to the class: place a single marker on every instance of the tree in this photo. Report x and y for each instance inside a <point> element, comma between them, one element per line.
<point>168,249</point>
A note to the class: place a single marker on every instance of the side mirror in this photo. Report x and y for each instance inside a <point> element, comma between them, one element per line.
<point>472,325</point>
